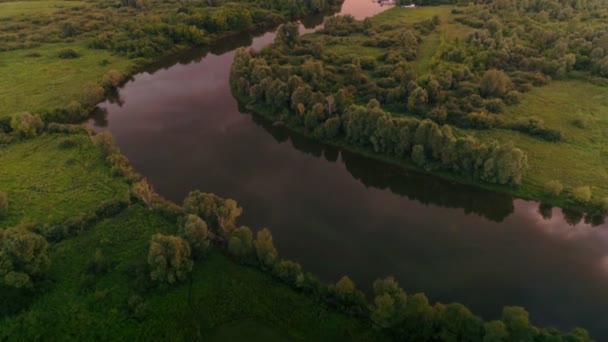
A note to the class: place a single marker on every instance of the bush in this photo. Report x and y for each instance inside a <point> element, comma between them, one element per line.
<point>288,271</point>
<point>23,257</point>
<point>3,205</point>
<point>112,79</point>
<point>553,188</point>
<point>68,54</point>
<point>169,259</point>
<point>580,121</point>
<point>582,194</point>
<point>26,125</point>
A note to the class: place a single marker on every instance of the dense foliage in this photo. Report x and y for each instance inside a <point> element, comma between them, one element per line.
<point>390,99</point>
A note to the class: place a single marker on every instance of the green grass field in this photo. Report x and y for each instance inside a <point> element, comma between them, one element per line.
<point>11,9</point>
<point>581,159</point>
<point>47,182</point>
<point>223,302</point>
<point>46,82</point>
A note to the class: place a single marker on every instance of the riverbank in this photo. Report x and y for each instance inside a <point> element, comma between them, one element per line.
<point>578,186</point>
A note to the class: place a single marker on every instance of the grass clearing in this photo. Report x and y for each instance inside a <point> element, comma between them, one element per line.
<point>46,182</point>
<point>11,9</point>
<point>36,83</point>
<point>582,158</point>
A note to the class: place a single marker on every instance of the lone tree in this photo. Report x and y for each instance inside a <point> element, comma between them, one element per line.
<point>23,257</point>
<point>3,205</point>
<point>197,234</point>
<point>169,259</point>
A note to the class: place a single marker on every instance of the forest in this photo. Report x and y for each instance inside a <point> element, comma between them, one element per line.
<point>447,90</point>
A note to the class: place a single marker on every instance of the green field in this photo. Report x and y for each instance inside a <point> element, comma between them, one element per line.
<point>11,9</point>
<point>45,82</point>
<point>581,159</point>
<point>49,182</point>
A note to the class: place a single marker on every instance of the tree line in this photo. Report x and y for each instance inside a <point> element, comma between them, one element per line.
<point>335,117</point>
<point>209,221</point>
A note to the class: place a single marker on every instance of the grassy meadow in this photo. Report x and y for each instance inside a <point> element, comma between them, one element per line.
<point>55,177</point>
<point>12,9</point>
<point>580,110</point>
<point>37,79</point>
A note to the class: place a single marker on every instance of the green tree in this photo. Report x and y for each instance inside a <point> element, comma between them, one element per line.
<point>495,83</point>
<point>518,324</point>
<point>288,271</point>
<point>348,297</point>
<point>495,331</point>
<point>265,250</point>
<point>287,35</point>
<point>418,155</point>
<point>169,258</point>
<point>459,324</point>
<point>418,98</point>
<point>240,244</point>
<point>219,213</point>
<point>26,125</point>
<point>196,232</point>
<point>553,188</point>
<point>388,309</point>
<point>23,256</point>
<point>582,194</point>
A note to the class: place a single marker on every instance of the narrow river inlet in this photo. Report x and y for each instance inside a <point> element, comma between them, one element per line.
<point>337,213</point>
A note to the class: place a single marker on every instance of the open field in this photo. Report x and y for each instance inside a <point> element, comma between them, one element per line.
<point>11,9</point>
<point>581,159</point>
<point>55,177</point>
<point>45,82</point>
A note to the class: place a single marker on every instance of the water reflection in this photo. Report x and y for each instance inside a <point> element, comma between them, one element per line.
<point>415,186</point>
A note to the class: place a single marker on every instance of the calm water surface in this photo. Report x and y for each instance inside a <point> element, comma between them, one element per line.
<point>337,213</point>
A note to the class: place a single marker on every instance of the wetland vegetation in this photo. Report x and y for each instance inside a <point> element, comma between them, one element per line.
<point>89,250</point>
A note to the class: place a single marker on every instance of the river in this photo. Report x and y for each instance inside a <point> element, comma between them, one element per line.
<point>338,213</point>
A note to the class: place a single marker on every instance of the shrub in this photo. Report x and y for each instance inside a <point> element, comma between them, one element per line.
<point>3,205</point>
<point>553,188</point>
<point>93,94</point>
<point>288,271</point>
<point>23,257</point>
<point>26,125</point>
<point>582,194</point>
<point>169,259</point>
<point>67,54</point>
<point>112,79</point>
